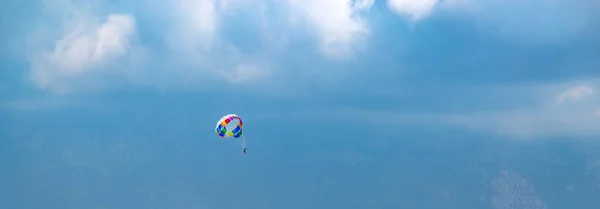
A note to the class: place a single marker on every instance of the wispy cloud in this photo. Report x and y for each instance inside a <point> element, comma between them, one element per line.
<point>194,42</point>
<point>243,73</point>
<point>540,116</point>
<point>415,10</point>
<point>529,21</point>
<point>88,49</point>
<point>549,118</point>
<point>98,44</point>
<point>194,25</point>
<point>337,23</point>
<point>575,93</point>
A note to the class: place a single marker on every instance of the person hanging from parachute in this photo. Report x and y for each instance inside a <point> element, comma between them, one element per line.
<point>231,126</point>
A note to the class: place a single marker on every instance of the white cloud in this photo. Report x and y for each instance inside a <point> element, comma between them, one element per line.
<point>83,51</point>
<point>201,20</point>
<point>194,26</point>
<point>546,119</point>
<point>198,53</point>
<point>531,21</point>
<point>575,93</point>
<point>529,124</point>
<point>85,48</point>
<point>550,118</point>
<point>94,52</point>
<point>94,49</point>
<point>362,5</point>
<point>243,73</point>
<point>198,46</point>
<point>93,42</point>
<point>414,9</point>
<point>337,23</point>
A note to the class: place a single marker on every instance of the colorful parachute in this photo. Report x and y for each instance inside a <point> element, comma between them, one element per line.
<point>231,126</point>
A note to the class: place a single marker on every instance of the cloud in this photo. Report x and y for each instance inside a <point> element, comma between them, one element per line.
<point>523,112</point>
<point>195,44</point>
<point>415,10</point>
<point>85,48</point>
<point>195,25</point>
<point>84,52</point>
<point>528,21</point>
<point>363,4</point>
<point>549,118</point>
<point>337,23</point>
<point>575,93</point>
<point>244,42</point>
<point>95,50</point>
<point>243,73</point>
<point>525,21</point>
<point>199,25</point>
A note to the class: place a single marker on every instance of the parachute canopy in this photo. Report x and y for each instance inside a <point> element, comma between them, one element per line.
<point>231,126</point>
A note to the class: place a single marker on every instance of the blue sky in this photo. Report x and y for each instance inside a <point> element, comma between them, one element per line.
<point>122,97</point>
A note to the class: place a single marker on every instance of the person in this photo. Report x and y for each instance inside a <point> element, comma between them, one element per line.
<point>245,151</point>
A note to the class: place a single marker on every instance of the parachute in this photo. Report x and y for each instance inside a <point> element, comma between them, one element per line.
<point>231,126</point>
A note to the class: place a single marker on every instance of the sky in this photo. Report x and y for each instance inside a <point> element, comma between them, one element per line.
<point>346,104</point>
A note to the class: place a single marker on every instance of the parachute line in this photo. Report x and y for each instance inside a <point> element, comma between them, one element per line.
<point>243,141</point>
